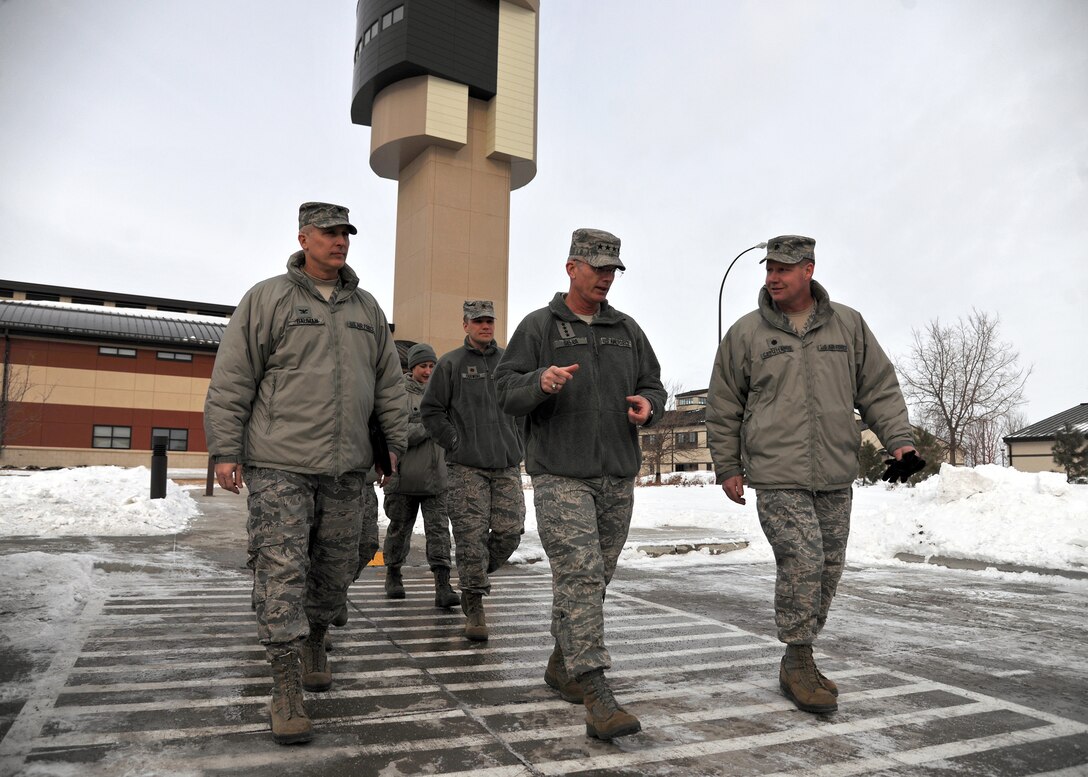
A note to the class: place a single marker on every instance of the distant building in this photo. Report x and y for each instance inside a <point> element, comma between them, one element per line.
<point>1032,448</point>
<point>89,377</point>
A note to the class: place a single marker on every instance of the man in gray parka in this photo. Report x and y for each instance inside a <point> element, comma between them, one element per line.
<point>306,357</point>
<point>780,412</point>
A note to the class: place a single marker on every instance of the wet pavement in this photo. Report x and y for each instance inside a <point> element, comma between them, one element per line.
<point>942,672</point>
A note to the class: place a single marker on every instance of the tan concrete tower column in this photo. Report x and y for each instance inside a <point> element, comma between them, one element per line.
<point>456,158</point>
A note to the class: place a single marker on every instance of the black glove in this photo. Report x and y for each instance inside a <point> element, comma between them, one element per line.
<point>902,469</point>
<point>382,463</point>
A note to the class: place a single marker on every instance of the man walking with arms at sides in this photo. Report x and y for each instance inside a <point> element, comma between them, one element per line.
<point>420,484</point>
<point>483,456</point>
<point>586,377</point>
<point>780,412</point>
<point>306,357</point>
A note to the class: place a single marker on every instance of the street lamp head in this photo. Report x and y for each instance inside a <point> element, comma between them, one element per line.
<point>721,288</point>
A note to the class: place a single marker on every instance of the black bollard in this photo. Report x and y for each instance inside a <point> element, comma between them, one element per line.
<point>158,467</point>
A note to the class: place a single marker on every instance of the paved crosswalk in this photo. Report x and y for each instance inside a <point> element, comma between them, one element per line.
<point>168,679</point>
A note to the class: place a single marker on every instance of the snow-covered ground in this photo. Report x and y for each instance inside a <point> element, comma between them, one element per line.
<point>987,514</point>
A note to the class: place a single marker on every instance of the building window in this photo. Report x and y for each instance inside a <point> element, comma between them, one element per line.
<point>41,297</point>
<point>687,439</point>
<point>171,356</point>
<point>87,301</point>
<point>388,20</point>
<point>684,401</point>
<point>649,440</point>
<point>176,439</point>
<point>687,467</point>
<point>112,437</point>
<point>107,350</point>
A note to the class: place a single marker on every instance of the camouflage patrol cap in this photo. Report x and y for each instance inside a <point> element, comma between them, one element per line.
<point>324,214</point>
<point>479,308</point>
<point>790,249</point>
<point>596,247</point>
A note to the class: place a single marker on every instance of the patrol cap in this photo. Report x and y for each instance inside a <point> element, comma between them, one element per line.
<point>479,308</point>
<point>790,249</point>
<point>323,215</point>
<point>596,247</point>
<point>419,353</point>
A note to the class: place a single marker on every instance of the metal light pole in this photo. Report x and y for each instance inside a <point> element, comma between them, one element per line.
<point>722,288</point>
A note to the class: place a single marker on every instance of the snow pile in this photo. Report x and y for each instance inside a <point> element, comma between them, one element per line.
<point>985,513</point>
<point>101,501</point>
<point>43,593</point>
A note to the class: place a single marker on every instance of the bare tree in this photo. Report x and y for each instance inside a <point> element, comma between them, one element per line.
<point>980,442</point>
<point>659,441</point>
<point>964,381</point>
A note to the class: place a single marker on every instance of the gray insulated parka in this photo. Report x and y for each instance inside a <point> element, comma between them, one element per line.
<point>583,431</point>
<point>781,406</point>
<point>296,378</point>
<point>461,410</point>
<point>421,471</point>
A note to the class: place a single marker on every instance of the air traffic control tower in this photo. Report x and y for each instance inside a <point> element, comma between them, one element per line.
<point>448,88</point>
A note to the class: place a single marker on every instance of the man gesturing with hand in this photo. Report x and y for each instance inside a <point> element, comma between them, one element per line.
<point>585,378</point>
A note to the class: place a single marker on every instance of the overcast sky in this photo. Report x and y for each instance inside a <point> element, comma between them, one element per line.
<point>936,149</point>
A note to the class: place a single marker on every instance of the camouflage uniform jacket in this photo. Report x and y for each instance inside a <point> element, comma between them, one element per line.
<point>421,471</point>
<point>461,411</point>
<point>780,407</point>
<point>296,378</point>
<point>583,431</point>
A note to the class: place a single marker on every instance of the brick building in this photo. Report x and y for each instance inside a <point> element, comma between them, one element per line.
<point>89,377</point>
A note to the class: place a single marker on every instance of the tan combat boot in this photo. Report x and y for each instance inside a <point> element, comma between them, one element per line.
<point>394,585</point>
<point>556,676</point>
<point>828,683</point>
<point>800,681</point>
<point>472,604</point>
<point>605,719</point>
<point>316,674</point>
<point>444,595</point>
<point>286,711</point>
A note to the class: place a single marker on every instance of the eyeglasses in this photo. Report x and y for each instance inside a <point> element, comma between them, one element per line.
<point>609,270</point>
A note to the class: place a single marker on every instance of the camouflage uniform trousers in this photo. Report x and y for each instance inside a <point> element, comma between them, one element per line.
<point>487,510</point>
<point>368,533</point>
<point>304,548</point>
<point>808,533</point>
<point>583,526</point>
<point>401,511</point>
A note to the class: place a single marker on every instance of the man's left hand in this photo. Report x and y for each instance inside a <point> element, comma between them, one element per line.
<point>385,477</point>
<point>640,410</point>
<point>905,463</point>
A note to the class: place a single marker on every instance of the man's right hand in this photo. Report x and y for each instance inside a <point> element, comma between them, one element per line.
<point>554,378</point>
<point>229,476</point>
<point>734,488</point>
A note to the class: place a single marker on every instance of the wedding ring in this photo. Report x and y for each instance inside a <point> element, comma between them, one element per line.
<point>555,387</point>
